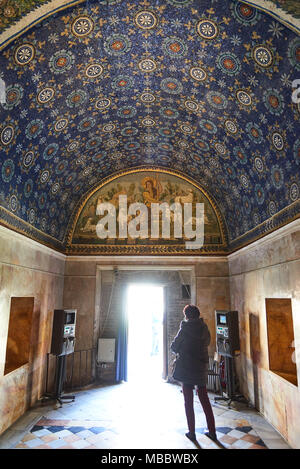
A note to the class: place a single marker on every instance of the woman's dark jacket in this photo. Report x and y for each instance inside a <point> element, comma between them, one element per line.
<point>190,345</point>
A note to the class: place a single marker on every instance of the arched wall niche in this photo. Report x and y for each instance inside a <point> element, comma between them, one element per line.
<point>145,185</point>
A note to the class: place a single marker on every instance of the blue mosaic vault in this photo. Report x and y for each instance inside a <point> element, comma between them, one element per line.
<point>203,88</point>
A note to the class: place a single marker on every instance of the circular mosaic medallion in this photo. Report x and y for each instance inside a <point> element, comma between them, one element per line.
<point>86,124</point>
<point>24,54</point>
<point>55,188</point>
<point>122,82</point>
<point>208,126</point>
<point>109,128</point>
<point>244,181</point>
<point>231,127</point>
<point>45,95</point>
<point>186,129</point>
<point>254,132</point>
<point>294,53</point>
<point>191,106</point>
<point>244,98</point>
<point>129,131</point>
<point>229,63</point>
<point>117,44</point>
<point>42,200</point>
<point>174,47</point>
<point>50,151</point>
<point>73,146</point>
<point>263,56</point>
<point>171,85</point>
<point>245,14</point>
<point>31,215</point>
<point>166,132</point>
<point>297,151</point>
<point>216,100</point>
<point>28,186</point>
<point>259,165</point>
<point>14,94</point>
<point>61,166</point>
<point>94,142</point>
<point>8,170</point>
<point>273,101</point>
<point>146,20</point>
<point>148,122</point>
<point>94,70</point>
<point>61,124</point>
<point>103,103</point>
<point>7,135</point>
<point>45,176</point>
<point>147,98</point>
<point>198,74</point>
<point>76,98</point>
<point>294,192</point>
<point>61,62</point>
<point>259,194</point>
<point>169,113</point>
<point>240,155</point>
<point>13,203</point>
<point>132,146</point>
<point>220,148</point>
<point>82,26</point>
<point>28,159</point>
<point>272,208</point>
<point>34,128</point>
<point>202,145</point>
<point>147,65</point>
<point>278,141</point>
<point>127,112</point>
<point>277,176</point>
<point>207,29</point>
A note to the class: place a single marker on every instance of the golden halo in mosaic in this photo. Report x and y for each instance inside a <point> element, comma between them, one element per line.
<point>231,127</point>
<point>263,56</point>
<point>244,98</point>
<point>147,98</point>
<point>198,74</point>
<point>207,29</point>
<point>24,54</point>
<point>94,70</point>
<point>45,95</point>
<point>191,105</point>
<point>148,121</point>
<point>82,26</point>
<point>103,103</point>
<point>146,20</point>
<point>60,124</point>
<point>147,65</point>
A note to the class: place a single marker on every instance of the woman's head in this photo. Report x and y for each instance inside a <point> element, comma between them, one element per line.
<point>191,312</point>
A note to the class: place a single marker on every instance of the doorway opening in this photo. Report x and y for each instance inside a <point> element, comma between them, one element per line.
<point>145,309</point>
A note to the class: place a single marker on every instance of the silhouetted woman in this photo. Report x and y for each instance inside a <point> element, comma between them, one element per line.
<point>191,367</point>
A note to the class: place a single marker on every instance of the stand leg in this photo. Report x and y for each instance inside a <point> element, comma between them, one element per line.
<point>60,377</point>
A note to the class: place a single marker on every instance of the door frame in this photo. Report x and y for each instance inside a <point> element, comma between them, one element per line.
<point>140,267</point>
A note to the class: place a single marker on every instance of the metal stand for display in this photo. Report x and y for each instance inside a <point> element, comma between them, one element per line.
<point>59,383</point>
<point>230,396</point>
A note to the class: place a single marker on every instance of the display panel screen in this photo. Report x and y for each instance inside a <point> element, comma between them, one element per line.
<point>223,319</point>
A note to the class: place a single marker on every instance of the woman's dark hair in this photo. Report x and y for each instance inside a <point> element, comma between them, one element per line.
<point>191,312</point>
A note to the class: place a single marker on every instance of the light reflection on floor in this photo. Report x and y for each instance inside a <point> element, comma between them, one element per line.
<point>134,415</point>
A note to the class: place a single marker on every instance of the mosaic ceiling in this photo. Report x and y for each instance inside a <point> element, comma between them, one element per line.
<point>200,87</point>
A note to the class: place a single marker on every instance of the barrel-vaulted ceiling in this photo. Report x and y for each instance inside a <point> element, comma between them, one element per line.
<point>200,87</point>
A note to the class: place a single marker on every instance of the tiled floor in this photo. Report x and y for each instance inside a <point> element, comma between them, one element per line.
<point>129,416</point>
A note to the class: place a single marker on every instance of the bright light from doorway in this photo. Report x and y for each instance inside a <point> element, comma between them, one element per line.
<point>145,332</point>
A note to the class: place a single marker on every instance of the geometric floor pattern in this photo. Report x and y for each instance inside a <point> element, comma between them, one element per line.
<point>240,437</point>
<point>137,416</point>
<point>74,434</point>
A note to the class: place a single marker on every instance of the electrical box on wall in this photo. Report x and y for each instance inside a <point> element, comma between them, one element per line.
<point>106,350</point>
